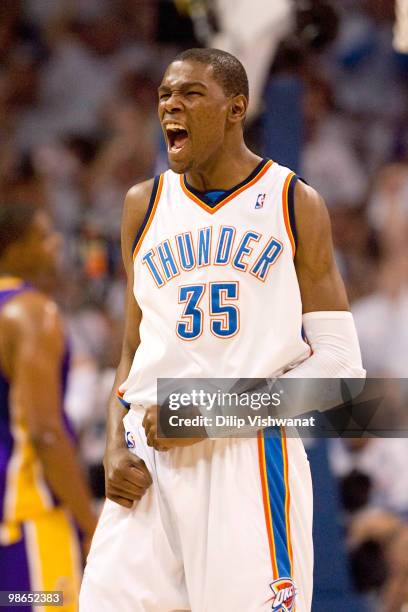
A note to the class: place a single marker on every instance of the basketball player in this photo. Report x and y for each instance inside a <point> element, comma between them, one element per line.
<point>42,490</point>
<point>223,252</point>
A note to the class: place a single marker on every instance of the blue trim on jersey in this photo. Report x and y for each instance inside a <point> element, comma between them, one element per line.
<point>214,195</point>
<point>124,403</point>
<point>277,495</point>
<point>203,196</point>
<point>148,212</point>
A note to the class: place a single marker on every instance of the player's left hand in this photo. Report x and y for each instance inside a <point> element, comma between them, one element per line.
<point>162,444</point>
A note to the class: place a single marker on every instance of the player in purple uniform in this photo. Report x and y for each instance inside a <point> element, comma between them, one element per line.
<point>42,491</point>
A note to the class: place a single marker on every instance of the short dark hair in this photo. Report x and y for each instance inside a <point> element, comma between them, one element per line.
<point>228,70</point>
<point>15,221</point>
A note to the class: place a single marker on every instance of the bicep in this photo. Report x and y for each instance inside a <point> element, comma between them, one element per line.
<point>36,386</point>
<point>134,210</point>
<point>321,285</point>
<point>133,316</point>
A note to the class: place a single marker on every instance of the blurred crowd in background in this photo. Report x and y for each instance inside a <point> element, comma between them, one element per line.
<point>78,128</point>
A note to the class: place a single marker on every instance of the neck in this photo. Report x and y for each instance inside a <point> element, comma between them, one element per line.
<point>230,167</point>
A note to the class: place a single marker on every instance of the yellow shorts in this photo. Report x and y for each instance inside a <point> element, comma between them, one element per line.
<point>42,554</point>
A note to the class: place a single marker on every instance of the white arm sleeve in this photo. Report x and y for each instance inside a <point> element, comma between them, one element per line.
<point>335,348</point>
<point>335,357</point>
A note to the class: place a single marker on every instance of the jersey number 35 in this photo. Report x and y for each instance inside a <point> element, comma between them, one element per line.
<point>223,316</point>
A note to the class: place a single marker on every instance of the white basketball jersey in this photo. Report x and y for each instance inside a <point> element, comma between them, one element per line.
<point>216,284</point>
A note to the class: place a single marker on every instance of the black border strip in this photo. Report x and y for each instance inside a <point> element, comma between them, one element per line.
<point>148,212</point>
<point>291,206</point>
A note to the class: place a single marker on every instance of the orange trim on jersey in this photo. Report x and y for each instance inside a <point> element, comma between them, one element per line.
<point>150,219</point>
<point>120,396</point>
<point>285,206</point>
<point>287,500</point>
<point>228,198</point>
<point>267,504</point>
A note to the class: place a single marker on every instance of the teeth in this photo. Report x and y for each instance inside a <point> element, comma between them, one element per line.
<point>175,126</point>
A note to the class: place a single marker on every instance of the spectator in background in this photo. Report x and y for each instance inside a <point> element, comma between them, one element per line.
<point>129,154</point>
<point>381,321</point>
<point>329,161</point>
<point>394,595</point>
<point>366,469</point>
<point>388,210</point>
<point>64,167</point>
<point>378,545</point>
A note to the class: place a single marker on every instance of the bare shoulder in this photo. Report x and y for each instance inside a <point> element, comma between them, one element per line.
<point>312,217</point>
<point>30,324</point>
<point>33,314</point>
<point>319,279</point>
<point>314,253</point>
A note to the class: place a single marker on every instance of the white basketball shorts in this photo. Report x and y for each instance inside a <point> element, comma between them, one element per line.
<point>225,527</point>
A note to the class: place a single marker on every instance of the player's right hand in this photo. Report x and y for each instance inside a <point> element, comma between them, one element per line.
<point>126,476</point>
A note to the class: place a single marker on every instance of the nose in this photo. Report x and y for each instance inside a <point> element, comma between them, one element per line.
<point>173,103</point>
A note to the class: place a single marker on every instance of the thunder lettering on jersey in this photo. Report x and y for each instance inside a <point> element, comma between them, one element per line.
<point>24,493</point>
<point>216,283</point>
<point>165,261</point>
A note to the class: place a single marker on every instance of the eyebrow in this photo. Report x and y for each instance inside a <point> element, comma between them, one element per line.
<point>183,86</point>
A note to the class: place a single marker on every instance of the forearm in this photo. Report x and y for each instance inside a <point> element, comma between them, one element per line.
<point>114,431</point>
<point>116,411</point>
<point>63,474</point>
<point>126,475</point>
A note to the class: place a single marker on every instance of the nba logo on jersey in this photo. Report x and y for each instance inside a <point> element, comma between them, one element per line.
<point>284,596</point>
<point>260,200</point>
<point>130,440</point>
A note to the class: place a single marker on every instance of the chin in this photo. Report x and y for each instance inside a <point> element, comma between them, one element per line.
<point>180,166</point>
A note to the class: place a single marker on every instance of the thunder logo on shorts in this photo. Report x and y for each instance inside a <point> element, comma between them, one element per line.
<point>284,595</point>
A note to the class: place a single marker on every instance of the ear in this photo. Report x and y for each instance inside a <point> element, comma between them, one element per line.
<point>238,109</point>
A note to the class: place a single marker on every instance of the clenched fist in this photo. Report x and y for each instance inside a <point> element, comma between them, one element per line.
<point>126,476</point>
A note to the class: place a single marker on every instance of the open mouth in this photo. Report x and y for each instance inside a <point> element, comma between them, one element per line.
<point>177,136</point>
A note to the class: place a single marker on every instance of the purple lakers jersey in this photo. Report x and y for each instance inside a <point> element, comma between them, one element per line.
<point>24,492</point>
